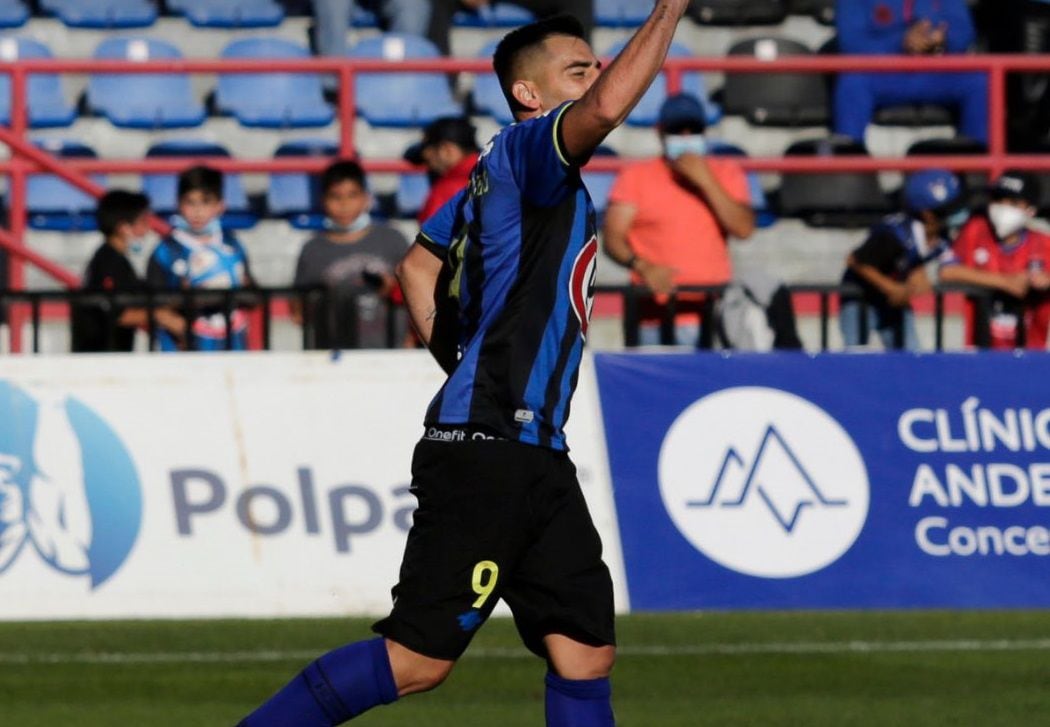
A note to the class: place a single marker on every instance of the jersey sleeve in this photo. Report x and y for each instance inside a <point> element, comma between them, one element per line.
<point>536,157</point>
<point>437,233</point>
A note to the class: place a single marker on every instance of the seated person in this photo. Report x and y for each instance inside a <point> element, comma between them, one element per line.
<point>996,250</point>
<point>449,150</point>
<point>123,220</point>
<point>669,218</point>
<point>199,254</point>
<point>354,259</point>
<point>890,267</point>
<point>917,28</point>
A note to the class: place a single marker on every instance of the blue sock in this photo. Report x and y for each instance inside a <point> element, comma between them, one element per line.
<point>339,686</point>
<point>579,702</point>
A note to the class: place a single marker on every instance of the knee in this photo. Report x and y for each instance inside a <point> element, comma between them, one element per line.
<point>592,663</point>
<point>414,672</point>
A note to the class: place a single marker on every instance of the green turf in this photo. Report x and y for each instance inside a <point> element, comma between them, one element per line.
<point>42,683</point>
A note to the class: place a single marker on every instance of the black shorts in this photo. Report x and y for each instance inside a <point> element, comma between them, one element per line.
<point>498,519</point>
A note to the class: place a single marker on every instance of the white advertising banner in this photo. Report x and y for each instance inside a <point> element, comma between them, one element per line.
<point>224,485</point>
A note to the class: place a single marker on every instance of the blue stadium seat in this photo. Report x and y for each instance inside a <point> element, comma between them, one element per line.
<point>401,99</point>
<point>13,14</point>
<point>162,189</point>
<point>647,110</point>
<point>54,204</point>
<point>411,195</point>
<point>47,103</point>
<point>621,13</point>
<point>487,96</point>
<point>765,216</point>
<point>143,100</point>
<point>497,15</point>
<point>272,100</point>
<point>362,18</point>
<point>229,13</point>
<point>296,196</point>
<point>104,14</point>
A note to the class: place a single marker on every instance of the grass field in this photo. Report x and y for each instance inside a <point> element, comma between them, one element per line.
<point>901,669</point>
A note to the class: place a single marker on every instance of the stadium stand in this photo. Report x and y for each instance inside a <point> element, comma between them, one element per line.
<point>765,216</point>
<point>272,100</point>
<point>645,113</point>
<point>401,99</point>
<point>621,13</point>
<point>162,188</point>
<point>487,97</point>
<point>229,13</point>
<point>47,104</point>
<point>143,101</point>
<point>497,15</point>
<point>54,204</point>
<point>105,14</point>
<point>776,99</point>
<point>739,12</point>
<point>412,190</point>
<point>295,197</point>
<point>823,11</point>
<point>975,183</point>
<point>832,200</point>
<point>13,14</point>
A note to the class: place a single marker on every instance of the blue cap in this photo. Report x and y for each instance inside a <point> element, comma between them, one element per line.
<point>682,111</point>
<point>936,190</point>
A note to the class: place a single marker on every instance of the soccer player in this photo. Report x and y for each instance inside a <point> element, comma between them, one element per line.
<point>501,514</point>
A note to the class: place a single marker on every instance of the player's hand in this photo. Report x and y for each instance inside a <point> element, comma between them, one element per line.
<point>917,38</point>
<point>1039,280</point>
<point>1015,285</point>
<point>658,278</point>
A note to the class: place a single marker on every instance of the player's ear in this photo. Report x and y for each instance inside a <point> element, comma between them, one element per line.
<point>526,94</point>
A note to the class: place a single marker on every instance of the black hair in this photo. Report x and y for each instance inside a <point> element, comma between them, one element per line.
<point>201,179</point>
<point>343,170</point>
<point>118,206</point>
<point>520,42</point>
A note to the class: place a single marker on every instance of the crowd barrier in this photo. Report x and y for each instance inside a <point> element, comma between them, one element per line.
<point>265,485</point>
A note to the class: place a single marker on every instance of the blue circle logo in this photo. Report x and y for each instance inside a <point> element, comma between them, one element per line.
<point>68,488</point>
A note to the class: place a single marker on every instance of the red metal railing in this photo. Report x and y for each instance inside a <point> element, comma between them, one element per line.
<point>26,159</point>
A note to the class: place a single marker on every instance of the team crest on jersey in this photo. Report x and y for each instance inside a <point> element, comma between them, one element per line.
<point>581,283</point>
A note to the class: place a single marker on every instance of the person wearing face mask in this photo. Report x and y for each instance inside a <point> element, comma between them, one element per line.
<point>669,219</point>
<point>998,251</point>
<point>123,220</point>
<point>449,151</point>
<point>199,253</point>
<point>354,258</point>
<point>892,265</point>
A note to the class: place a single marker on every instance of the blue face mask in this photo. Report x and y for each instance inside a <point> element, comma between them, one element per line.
<point>675,145</point>
<point>360,222</point>
<point>957,219</point>
<point>213,228</point>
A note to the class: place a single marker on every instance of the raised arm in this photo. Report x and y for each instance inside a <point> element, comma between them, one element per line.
<point>619,88</point>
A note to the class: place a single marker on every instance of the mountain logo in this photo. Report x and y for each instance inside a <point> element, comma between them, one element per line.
<point>69,491</point>
<point>763,482</point>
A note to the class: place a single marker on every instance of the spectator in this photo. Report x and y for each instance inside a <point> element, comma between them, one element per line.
<point>917,28</point>
<point>332,20</point>
<point>354,259</point>
<point>123,220</point>
<point>996,250</point>
<point>449,151</point>
<point>200,254</point>
<point>669,218</point>
<point>443,10</point>
<point>890,267</point>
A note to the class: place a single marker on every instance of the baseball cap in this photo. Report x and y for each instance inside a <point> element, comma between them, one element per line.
<point>456,129</point>
<point>936,190</point>
<point>1015,184</point>
<point>682,111</point>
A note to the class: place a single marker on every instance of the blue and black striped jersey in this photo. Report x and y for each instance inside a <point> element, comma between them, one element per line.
<point>521,244</point>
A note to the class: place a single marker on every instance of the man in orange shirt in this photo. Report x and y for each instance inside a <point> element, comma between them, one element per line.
<point>669,218</point>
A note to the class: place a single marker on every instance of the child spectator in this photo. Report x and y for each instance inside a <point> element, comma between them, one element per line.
<point>354,259</point>
<point>200,254</point>
<point>996,250</point>
<point>123,220</point>
<point>890,267</point>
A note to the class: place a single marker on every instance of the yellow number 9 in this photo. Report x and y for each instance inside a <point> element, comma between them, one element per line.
<point>484,581</point>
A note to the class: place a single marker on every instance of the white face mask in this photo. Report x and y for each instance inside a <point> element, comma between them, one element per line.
<point>675,145</point>
<point>1006,219</point>
<point>360,222</point>
<point>137,245</point>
